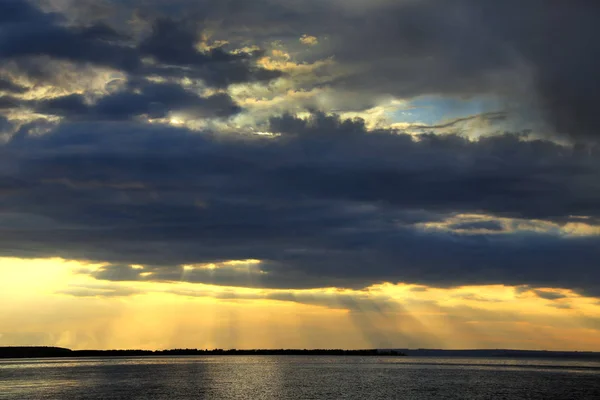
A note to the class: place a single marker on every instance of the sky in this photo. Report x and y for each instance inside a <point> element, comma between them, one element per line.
<point>300,174</point>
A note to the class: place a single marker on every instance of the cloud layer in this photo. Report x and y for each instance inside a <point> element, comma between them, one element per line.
<point>326,203</point>
<point>168,141</point>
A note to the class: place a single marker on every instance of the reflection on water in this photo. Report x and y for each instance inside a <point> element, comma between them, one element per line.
<point>298,377</point>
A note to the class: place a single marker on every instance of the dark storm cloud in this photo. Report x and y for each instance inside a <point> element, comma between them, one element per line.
<point>11,87</point>
<point>71,105</point>
<point>9,102</point>
<point>412,48</point>
<point>540,54</point>
<point>327,203</point>
<point>559,39</point>
<point>27,32</point>
<point>471,47</point>
<point>18,11</point>
<point>155,100</point>
<point>5,124</point>
<point>173,43</point>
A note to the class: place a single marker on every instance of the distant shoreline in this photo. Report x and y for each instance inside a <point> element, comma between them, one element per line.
<point>59,352</point>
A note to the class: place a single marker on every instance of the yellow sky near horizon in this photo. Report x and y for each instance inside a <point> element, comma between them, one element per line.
<point>51,302</point>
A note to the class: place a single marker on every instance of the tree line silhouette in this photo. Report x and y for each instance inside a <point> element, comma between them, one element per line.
<point>46,352</point>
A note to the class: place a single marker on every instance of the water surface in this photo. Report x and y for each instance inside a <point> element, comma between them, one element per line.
<point>298,377</point>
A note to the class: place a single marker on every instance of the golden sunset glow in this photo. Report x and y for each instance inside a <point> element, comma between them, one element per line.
<point>351,174</point>
<point>49,301</point>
